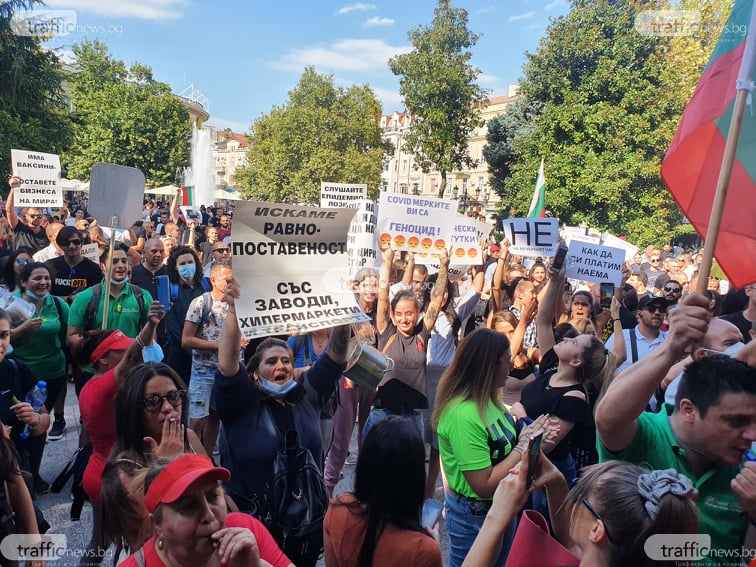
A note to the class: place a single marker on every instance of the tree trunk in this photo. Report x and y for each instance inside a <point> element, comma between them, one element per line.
<point>442,188</point>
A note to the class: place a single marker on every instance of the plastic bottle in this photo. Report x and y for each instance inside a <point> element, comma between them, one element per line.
<point>36,397</point>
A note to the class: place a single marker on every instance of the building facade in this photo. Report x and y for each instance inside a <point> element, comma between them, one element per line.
<point>469,186</point>
<point>229,154</point>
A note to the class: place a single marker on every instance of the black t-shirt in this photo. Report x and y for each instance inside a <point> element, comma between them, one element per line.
<point>24,237</point>
<point>16,379</point>
<point>142,277</point>
<point>739,320</point>
<point>67,281</point>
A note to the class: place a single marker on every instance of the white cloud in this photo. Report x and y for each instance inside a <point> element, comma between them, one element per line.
<point>536,26</point>
<point>376,21</point>
<point>485,79</point>
<point>360,6</point>
<point>525,16</point>
<point>235,125</point>
<point>142,9</point>
<point>390,100</point>
<point>551,5</point>
<point>341,55</point>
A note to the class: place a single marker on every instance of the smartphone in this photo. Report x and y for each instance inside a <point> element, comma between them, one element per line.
<point>606,294</point>
<point>164,292</point>
<point>534,449</point>
<point>431,512</point>
<point>561,253</point>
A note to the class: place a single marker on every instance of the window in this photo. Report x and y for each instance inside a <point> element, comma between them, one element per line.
<point>433,185</point>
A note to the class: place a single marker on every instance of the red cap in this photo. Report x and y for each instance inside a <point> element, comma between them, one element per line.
<point>494,248</point>
<point>114,341</point>
<point>178,476</point>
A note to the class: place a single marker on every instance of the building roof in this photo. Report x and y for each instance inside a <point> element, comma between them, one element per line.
<point>228,136</point>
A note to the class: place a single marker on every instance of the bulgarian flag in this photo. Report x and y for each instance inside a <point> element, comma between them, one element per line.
<point>692,165</point>
<point>187,199</point>
<point>538,203</point>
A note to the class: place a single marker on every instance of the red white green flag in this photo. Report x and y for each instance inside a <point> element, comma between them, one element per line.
<point>187,198</point>
<point>691,168</point>
<point>538,203</point>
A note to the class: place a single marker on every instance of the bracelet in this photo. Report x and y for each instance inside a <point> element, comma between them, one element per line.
<point>615,320</point>
<point>139,341</point>
<point>39,421</point>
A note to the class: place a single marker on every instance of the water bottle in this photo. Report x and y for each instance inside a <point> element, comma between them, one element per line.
<point>36,397</point>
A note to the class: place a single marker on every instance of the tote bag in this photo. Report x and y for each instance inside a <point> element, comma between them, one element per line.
<point>533,545</point>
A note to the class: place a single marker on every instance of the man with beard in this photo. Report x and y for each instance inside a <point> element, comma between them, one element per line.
<point>30,233</point>
<point>647,336</point>
<point>150,267</point>
<point>72,272</point>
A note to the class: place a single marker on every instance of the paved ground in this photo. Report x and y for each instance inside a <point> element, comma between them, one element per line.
<point>57,507</point>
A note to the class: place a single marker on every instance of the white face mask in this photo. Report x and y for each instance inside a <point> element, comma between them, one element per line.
<point>119,282</point>
<point>277,391</point>
<point>734,349</point>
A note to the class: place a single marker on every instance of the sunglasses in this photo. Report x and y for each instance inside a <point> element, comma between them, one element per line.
<point>153,403</point>
<point>23,261</point>
<point>74,242</point>
<point>35,216</point>
<point>655,260</point>
<point>673,289</point>
<point>656,308</point>
<point>596,515</point>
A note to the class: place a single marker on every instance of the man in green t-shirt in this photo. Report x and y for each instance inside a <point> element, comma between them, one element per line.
<point>703,436</point>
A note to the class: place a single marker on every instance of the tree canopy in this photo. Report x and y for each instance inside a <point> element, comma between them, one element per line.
<point>33,113</point>
<point>125,116</point>
<point>439,90</point>
<point>611,100</point>
<point>322,133</point>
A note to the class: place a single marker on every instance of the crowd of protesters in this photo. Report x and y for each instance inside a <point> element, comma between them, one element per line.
<point>645,405</point>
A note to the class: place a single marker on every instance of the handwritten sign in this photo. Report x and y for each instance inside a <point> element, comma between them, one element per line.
<point>532,237</point>
<point>362,240</point>
<point>464,246</point>
<point>40,179</point>
<point>340,195</point>
<point>594,262</point>
<point>291,262</point>
<point>422,225</point>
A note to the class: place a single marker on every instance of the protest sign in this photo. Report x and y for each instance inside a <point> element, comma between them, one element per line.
<point>291,263</point>
<point>484,229</point>
<point>532,237</point>
<point>40,179</point>
<point>631,250</point>
<point>362,240</point>
<point>191,212</point>
<point>340,195</point>
<point>91,251</point>
<point>465,245</point>
<point>422,225</point>
<point>584,238</point>
<point>594,262</point>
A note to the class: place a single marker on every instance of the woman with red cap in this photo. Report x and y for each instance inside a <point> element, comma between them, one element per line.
<point>192,525</point>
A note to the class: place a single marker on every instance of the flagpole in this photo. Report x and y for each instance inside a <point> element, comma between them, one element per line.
<point>723,184</point>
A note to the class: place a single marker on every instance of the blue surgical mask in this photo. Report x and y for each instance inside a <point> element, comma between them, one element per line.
<point>114,281</point>
<point>34,297</point>
<point>277,391</point>
<point>734,349</point>
<point>187,271</point>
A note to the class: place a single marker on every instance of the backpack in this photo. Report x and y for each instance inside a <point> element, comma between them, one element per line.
<point>95,302</point>
<point>204,282</point>
<point>296,501</point>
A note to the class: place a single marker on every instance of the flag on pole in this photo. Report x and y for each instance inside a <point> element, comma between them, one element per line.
<point>538,203</point>
<point>692,165</point>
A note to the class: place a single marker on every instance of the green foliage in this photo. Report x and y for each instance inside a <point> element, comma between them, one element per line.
<point>32,102</point>
<point>439,90</point>
<point>322,133</point>
<point>125,116</point>
<point>612,100</point>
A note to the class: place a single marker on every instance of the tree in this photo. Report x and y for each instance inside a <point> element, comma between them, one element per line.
<point>611,104</point>
<point>322,133</point>
<point>439,90</point>
<point>33,113</point>
<point>125,116</point>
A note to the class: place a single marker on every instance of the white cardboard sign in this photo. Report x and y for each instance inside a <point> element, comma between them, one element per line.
<point>340,195</point>
<point>362,240</point>
<point>532,237</point>
<point>40,179</point>
<point>594,262</point>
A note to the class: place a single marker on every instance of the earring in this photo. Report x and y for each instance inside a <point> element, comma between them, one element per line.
<point>160,544</point>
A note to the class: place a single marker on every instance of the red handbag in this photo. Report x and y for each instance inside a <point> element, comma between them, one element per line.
<point>533,544</point>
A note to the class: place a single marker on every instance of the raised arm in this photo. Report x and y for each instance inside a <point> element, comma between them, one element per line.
<point>409,270</point>
<point>10,209</point>
<point>496,291</point>
<point>338,343</point>
<point>545,317</point>
<point>620,350</point>
<point>231,336</point>
<point>437,294</point>
<point>628,394</point>
<point>174,212</point>
<point>383,306</point>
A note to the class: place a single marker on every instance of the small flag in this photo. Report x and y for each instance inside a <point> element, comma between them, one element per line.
<point>538,203</point>
<point>188,196</point>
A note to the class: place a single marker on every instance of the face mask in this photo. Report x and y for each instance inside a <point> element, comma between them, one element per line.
<point>187,271</point>
<point>36,297</point>
<point>277,391</point>
<point>732,350</point>
<point>114,281</point>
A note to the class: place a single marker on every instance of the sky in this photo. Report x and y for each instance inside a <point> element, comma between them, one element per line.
<point>245,56</point>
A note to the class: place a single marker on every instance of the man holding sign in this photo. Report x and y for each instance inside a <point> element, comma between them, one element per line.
<point>29,233</point>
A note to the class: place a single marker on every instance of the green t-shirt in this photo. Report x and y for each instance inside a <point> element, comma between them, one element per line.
<point>466,443</point>
<point>719,511</point>
<point>42,350</point>
<point>123,311</point>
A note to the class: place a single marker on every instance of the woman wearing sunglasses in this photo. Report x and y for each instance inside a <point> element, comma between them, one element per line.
<point>11,272</point>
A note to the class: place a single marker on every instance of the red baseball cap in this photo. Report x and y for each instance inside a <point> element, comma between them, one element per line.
<point>114,341</point>
<point>171,483</point>
<point>494,248</point>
